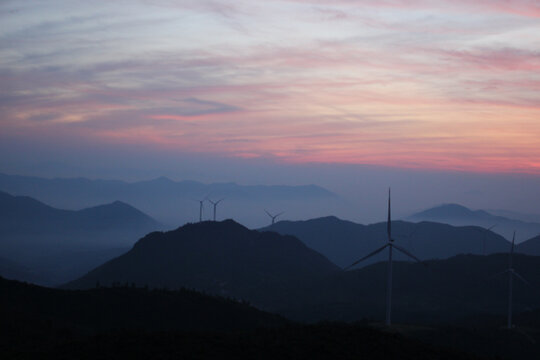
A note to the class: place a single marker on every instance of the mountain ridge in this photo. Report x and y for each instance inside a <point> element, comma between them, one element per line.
<point>175,202</point>
<point>459,215</point>
<point>343,241</point>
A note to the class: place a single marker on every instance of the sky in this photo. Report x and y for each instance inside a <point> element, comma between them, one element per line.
<point>288,91</point>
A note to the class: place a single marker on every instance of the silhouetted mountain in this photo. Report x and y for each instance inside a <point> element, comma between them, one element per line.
<point>134,323</point>
<point>47,312</point>
<point>530,247</point>
<point>64,244</point>
<point>222,258</point>
<point>443,291</point>
<point>485,336</point>
<point>343,242</point>
<point>315,342</point>
<point>458,215</point>
<point>175,202</point>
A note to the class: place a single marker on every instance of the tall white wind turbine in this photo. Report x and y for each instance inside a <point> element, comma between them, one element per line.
<point>390,245</point>
<point>511,273</point>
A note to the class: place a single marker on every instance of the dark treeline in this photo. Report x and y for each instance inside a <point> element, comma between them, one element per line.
<point>139,323</point>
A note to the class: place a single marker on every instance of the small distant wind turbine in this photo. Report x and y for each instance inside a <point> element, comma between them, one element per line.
<point>511,273</point>
<point>201,205</point>
<point>390,245</point>
<point>273,217</point>
<point>215,204</point>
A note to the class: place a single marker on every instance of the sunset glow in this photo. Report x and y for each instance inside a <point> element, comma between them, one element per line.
<point>429,84</point>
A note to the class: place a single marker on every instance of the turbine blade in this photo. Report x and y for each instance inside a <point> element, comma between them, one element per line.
<point>267,213</point>
<point>365,257</point>
<point>409,254</point>
<point>281,213</point>
<point>521,278</point>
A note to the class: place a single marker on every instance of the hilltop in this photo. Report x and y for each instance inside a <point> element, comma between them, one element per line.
<point>222,258</point>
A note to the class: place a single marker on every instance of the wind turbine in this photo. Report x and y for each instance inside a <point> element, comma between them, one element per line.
<point>215,205</point>
<point>390,245</point>
<point>201,205</point>
<point>273,217</point>
<point>511,273</point>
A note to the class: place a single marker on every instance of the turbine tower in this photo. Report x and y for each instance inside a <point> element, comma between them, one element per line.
<point>511,273</point>
<point>200,209</point>
<point>390,245</point>
<point>215,204</point>
<point>273,217</point>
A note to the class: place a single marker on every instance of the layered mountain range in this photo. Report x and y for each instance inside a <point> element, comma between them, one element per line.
<point>177,202</point>
<point>55,245</point>
<point>279,273</point>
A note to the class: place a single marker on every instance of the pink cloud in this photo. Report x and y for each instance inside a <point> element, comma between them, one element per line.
<point>526,8</point>
<point>494,59</point>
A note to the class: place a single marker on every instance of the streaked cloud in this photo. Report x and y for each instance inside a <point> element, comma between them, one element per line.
<point>417,83</point>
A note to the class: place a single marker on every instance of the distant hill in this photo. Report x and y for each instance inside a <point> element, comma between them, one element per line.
<point>343,242</point>
<point>530,247</point>
<point>458,215</point>
<point>514,215</point>
<point>176,202</point>
<point>222,258</point>
<point>63,244</point>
